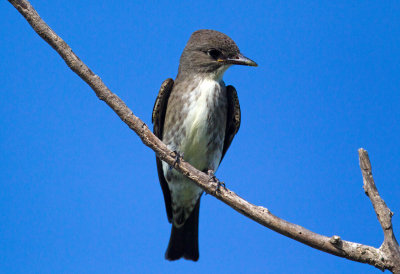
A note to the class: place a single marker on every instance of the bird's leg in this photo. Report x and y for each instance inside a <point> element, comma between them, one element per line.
<point>214,179</point>
<point>178,157</point>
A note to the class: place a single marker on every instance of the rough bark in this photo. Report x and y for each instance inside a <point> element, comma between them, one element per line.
<point>385,257</point>
<point>389,247</point>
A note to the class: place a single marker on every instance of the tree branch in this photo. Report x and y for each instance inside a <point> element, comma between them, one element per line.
<point>389,245</point>
<point>383,258</point>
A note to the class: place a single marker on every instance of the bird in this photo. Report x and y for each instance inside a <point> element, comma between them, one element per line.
<point>196,116</point>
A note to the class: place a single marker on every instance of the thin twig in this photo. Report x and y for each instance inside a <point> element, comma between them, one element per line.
<point>334,245</point>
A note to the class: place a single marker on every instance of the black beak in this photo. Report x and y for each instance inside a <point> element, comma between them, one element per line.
<point>239,59</point>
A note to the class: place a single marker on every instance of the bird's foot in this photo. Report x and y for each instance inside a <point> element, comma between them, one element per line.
<point>178,158</point>
<point>214,179</point>
<point>219,184</point>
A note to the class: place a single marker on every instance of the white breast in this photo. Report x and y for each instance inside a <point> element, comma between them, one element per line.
<point>199,105</point>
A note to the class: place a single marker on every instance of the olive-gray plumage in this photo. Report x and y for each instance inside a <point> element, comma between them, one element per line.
<point>197,116</point>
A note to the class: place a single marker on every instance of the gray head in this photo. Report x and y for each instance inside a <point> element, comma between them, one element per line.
<point>210,51</point>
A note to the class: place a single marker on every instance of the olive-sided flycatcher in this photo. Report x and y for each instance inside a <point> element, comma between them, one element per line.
<point>196,116</point>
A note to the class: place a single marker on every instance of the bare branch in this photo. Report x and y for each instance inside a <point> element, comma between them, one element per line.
<point>390,245</point>
<point>379,258</point>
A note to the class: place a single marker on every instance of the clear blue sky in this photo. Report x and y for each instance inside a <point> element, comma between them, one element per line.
<point>80,193</point>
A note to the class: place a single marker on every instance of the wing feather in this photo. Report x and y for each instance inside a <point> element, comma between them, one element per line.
<point>158,118</point>
<point>233,118</point>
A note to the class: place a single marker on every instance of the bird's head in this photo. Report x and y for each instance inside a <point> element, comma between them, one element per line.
<point>212,52</point>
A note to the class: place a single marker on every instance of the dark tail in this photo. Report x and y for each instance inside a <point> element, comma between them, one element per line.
<point>184,240</point>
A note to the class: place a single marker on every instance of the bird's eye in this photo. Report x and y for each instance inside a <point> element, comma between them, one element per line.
<point>214,53</point>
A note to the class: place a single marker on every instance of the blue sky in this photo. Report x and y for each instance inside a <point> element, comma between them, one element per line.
<point>80,192</point>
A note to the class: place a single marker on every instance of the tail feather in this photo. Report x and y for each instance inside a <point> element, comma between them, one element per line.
<point>184,240</point>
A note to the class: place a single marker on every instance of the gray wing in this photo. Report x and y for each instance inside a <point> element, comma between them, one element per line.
<point>233,118</point>
<point>158,117</point>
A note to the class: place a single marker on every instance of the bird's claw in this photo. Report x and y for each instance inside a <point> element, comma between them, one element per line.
<point>177,160</point>
<point>215,180</point>
<point>219,184</point>
<point>212,178</point>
